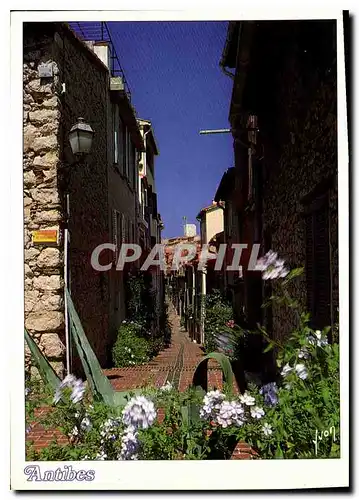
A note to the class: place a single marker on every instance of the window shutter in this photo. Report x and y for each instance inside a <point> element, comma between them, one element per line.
<point>122,149</point>
<point>127,154</point>
<point>318,267</point>
<point>115,117</point>
<point>154,198</point>
<point>309,267</point>
<point>322,268</point>
<point>123,228</point>
<point>115,233</point>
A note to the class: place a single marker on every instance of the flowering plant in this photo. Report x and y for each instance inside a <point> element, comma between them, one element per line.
<point>130,348</point>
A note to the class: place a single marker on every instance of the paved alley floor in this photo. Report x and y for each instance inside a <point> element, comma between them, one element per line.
<point>176,364</point>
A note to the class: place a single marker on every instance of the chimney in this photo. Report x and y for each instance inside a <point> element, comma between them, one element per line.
<point>101,49</point>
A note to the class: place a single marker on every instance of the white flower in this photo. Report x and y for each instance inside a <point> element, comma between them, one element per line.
<point>132,355</point>
<point>211,402</point>
<point>303,353</point>
<point>101,456</point>
<point>139,412</point>
<point>247,399</point>
<point>271,266</point>
<point>267,429</point>
<point>318,339</point>
<point>167,387</point>
<point>286,370</point>
<point>301,371</point>
<point>74,432</point>
<point>109,430</point>
<point>257,412</point>
<point>85,424</point>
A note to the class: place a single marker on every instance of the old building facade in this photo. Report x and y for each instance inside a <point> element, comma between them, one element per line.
<point>95,197</point>
<point>283,121</point>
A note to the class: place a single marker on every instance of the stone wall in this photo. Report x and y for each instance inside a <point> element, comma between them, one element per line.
<point>44,311</point>
<point>289,82</point>
<point>79,87</point>
<point>300,152</point>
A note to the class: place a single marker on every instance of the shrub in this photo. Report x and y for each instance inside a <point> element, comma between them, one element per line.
<point>130,348</point>
<point>218,315</point>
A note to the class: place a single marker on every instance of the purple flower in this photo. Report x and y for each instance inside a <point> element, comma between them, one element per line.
<point>230,413</point>
<point>269,391</point>
<point>129,444</point>
<point>77,389</point>
<point>139,412</point>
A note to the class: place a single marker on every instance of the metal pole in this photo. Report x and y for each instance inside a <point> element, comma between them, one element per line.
<point>67,331</point>
<point>216,131</point>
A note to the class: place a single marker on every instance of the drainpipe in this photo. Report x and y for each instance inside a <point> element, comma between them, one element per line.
<point>66,267</point>
<point>203,298</point>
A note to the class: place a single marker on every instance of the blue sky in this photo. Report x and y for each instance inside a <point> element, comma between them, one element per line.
<point>176,82</point>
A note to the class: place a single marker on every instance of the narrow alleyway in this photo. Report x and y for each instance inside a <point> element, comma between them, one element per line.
<point>176,365</point>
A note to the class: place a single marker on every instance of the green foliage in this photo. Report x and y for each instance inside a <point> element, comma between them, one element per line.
<point>100,385</point>
<point>306,407</point>
<point>218,312</point>
<point>141,306</point>
<point>130,348</point>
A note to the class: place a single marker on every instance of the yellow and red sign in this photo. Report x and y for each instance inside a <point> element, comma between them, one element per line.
<point>45,236</point>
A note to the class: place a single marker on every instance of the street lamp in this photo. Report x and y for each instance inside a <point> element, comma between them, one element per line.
<point>80,137</point>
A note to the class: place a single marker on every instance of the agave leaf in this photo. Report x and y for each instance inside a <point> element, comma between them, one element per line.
<point>98,382</point>
<point>200,377</point>
<point>85,365</point>
<point>46,371</point>
<point>121,398</point>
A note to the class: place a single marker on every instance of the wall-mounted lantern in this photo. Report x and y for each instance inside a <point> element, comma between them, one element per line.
<point>80,136</point>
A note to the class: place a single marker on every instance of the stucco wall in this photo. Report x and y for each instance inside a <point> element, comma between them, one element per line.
<point>214,223</point>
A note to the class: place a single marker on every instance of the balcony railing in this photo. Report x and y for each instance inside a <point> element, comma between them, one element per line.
<point>100,32</point>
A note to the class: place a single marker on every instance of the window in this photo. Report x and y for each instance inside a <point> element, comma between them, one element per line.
<point>119,152</point>
<point>317,269</point>
<point>252,123</point>
<point>132,167</point>
<point>134,171</point>
<point>149,158</point>
<point>116,118</point>
<point>123,228</point>
<point>154,205</point>
<point>116,232</point>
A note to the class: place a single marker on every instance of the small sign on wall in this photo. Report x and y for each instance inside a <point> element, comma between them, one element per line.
<point>45,237</point>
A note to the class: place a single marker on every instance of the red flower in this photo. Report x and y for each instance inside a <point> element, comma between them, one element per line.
<point>230,323</point>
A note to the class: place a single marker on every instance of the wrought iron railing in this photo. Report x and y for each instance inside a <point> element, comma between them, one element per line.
<point>100,32</point>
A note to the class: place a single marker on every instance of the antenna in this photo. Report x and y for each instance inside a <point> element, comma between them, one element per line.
<point>184,218</point>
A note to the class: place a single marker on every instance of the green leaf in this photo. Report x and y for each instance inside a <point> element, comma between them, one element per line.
<point>326,395</point>
<point>46,371</point>
<point>200,377</point>
<point>121,398</point>
<point>98,382</point>
<point>278,452</point>
<point>269,347</point>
